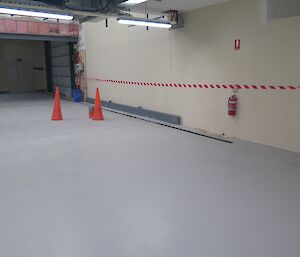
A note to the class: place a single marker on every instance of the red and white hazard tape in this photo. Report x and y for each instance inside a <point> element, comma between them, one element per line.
<point>201,86</point>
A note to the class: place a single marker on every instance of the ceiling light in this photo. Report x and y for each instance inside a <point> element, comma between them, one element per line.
<point>134,2</point>
<point>145,23</point>
<point>35,14</point>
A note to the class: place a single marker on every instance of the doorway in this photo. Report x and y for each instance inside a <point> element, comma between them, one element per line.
<point>21,77</point>
<point>22,66</point>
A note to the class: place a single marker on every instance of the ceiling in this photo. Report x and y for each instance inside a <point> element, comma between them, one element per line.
<point>151,6</point>
<point>180,5</point>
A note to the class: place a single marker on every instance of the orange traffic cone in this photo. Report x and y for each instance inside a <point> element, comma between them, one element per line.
<point>98,114</point>
<point>57,109</point>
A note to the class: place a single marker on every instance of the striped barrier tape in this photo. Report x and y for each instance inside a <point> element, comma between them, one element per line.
<point>201,86</point>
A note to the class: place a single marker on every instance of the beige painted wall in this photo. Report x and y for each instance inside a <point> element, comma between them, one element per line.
<point>31,51</point>
<point>203,52</point>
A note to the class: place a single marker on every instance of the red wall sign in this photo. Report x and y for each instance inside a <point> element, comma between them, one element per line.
<point>237,44</point>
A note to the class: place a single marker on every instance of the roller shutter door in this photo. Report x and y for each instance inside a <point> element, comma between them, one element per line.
<point>60,67</point>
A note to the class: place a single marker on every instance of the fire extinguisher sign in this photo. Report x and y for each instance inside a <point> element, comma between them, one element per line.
<point>237,44</point>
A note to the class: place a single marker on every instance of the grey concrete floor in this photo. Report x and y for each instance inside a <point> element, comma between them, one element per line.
<point>128,188</point>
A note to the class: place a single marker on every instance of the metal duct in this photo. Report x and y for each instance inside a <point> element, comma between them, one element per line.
<point>53,2</point>
<point>103,6</point>
<point>278,9</point>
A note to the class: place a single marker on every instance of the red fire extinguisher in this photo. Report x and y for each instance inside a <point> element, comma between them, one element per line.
<point>232,105</point>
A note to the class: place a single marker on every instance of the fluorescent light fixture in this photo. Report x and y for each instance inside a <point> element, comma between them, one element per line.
<point>134,2</point>
<point>145,23</point>
<point>35,14</point>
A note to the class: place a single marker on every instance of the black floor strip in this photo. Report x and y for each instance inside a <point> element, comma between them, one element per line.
<point>170,126</point>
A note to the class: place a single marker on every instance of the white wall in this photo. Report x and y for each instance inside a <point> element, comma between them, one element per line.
<point>28,51</point>
<point>203,52</point>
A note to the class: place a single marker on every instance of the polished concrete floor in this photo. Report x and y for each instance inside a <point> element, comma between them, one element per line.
<point>128,188</point>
